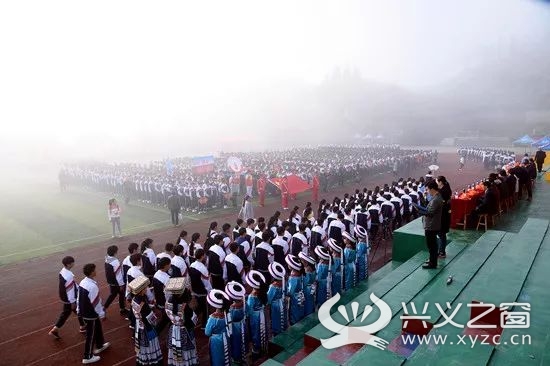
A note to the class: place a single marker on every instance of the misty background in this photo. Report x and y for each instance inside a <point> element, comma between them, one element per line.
<point>135,81</point>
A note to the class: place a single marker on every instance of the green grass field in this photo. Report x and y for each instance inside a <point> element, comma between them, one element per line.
<point>39,220</point>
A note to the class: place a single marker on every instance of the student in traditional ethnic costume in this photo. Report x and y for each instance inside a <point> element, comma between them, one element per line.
<point>91,310</point>
<point>239,330</point>
<point>159,282</point>
<point>217,329</point>
<point>295,289</point>
<point>324,288</point>
<point>362,253</point>
<point>350,257</point>
<point>256,313</point>
<point>68,291</point>
<point>276,298</point>
<point>113,272</point>
<point>182,349</point>
<point>146,340</point>
<point>336,268</point>
<point>309,283</point>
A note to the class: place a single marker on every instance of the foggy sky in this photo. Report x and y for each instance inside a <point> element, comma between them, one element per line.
<point>136,80</point>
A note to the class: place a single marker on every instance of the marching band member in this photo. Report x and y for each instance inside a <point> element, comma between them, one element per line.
<point>182,348</point>
<point>239,332</point>
<point>295,289</point>
<point>255,312</point>
<point>363,249</point>
<point>217,329</point>
<point>277,299</point>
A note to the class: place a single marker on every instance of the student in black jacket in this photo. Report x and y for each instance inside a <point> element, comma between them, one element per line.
<point>115,279</point>
<point>68,291</point>
<point>91,310</point>
<point>216,263</point>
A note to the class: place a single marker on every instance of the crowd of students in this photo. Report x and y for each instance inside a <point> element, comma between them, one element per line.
<point>261,276</point>
<point>154,183</point>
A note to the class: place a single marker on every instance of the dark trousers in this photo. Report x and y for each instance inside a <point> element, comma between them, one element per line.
<point>442,241</point>
<point>202,309</point>
<point>539,166</point>
<point>175,216</point>
<point>67,310</point>
<point>431,242</point>
<point>94,336</point>
<point>163,321</point>
<point>116,291</point>
<point>217,281</point>
<point>529,187</point>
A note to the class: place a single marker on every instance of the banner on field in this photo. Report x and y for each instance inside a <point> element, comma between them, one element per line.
<point>295,184</point>
<point>202,164</point>
<point>235,164</point>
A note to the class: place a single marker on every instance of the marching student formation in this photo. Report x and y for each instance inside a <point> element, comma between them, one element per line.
<point>240,285</point>
<point>199,191</point>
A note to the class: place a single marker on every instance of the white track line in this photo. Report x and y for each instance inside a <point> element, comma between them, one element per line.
<point>123,361</point>
<point>74,345</point>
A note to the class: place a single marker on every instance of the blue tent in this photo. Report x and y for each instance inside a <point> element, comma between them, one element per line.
<point>542,142</point>
<point>546,147</point>
<point>525,140</point>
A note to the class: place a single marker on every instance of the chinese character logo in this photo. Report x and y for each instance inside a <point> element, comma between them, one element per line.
<point>349,335</point>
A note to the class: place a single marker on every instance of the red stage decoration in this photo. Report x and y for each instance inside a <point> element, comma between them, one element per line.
<point>261,190</point>
<point>284,192</point>
<point>315,191</point>
<point>290,185</point>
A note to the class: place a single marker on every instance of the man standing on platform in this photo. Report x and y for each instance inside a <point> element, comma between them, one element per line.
<point>432,223</point>
<point>540,156</point>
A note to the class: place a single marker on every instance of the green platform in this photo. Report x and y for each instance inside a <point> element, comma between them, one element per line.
<point>408,240</point>
<point>509,263</point>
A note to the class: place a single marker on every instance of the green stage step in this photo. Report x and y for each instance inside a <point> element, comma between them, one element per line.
<point>498,281</point>
<point>295,333</point>
<point>463,269</point>
<point>535,291</point>
<point>404,290</point>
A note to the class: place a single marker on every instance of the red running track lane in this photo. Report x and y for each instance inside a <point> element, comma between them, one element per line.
<point>29,304</point>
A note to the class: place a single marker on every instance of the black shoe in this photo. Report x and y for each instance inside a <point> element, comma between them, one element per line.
<point>428,266</point>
